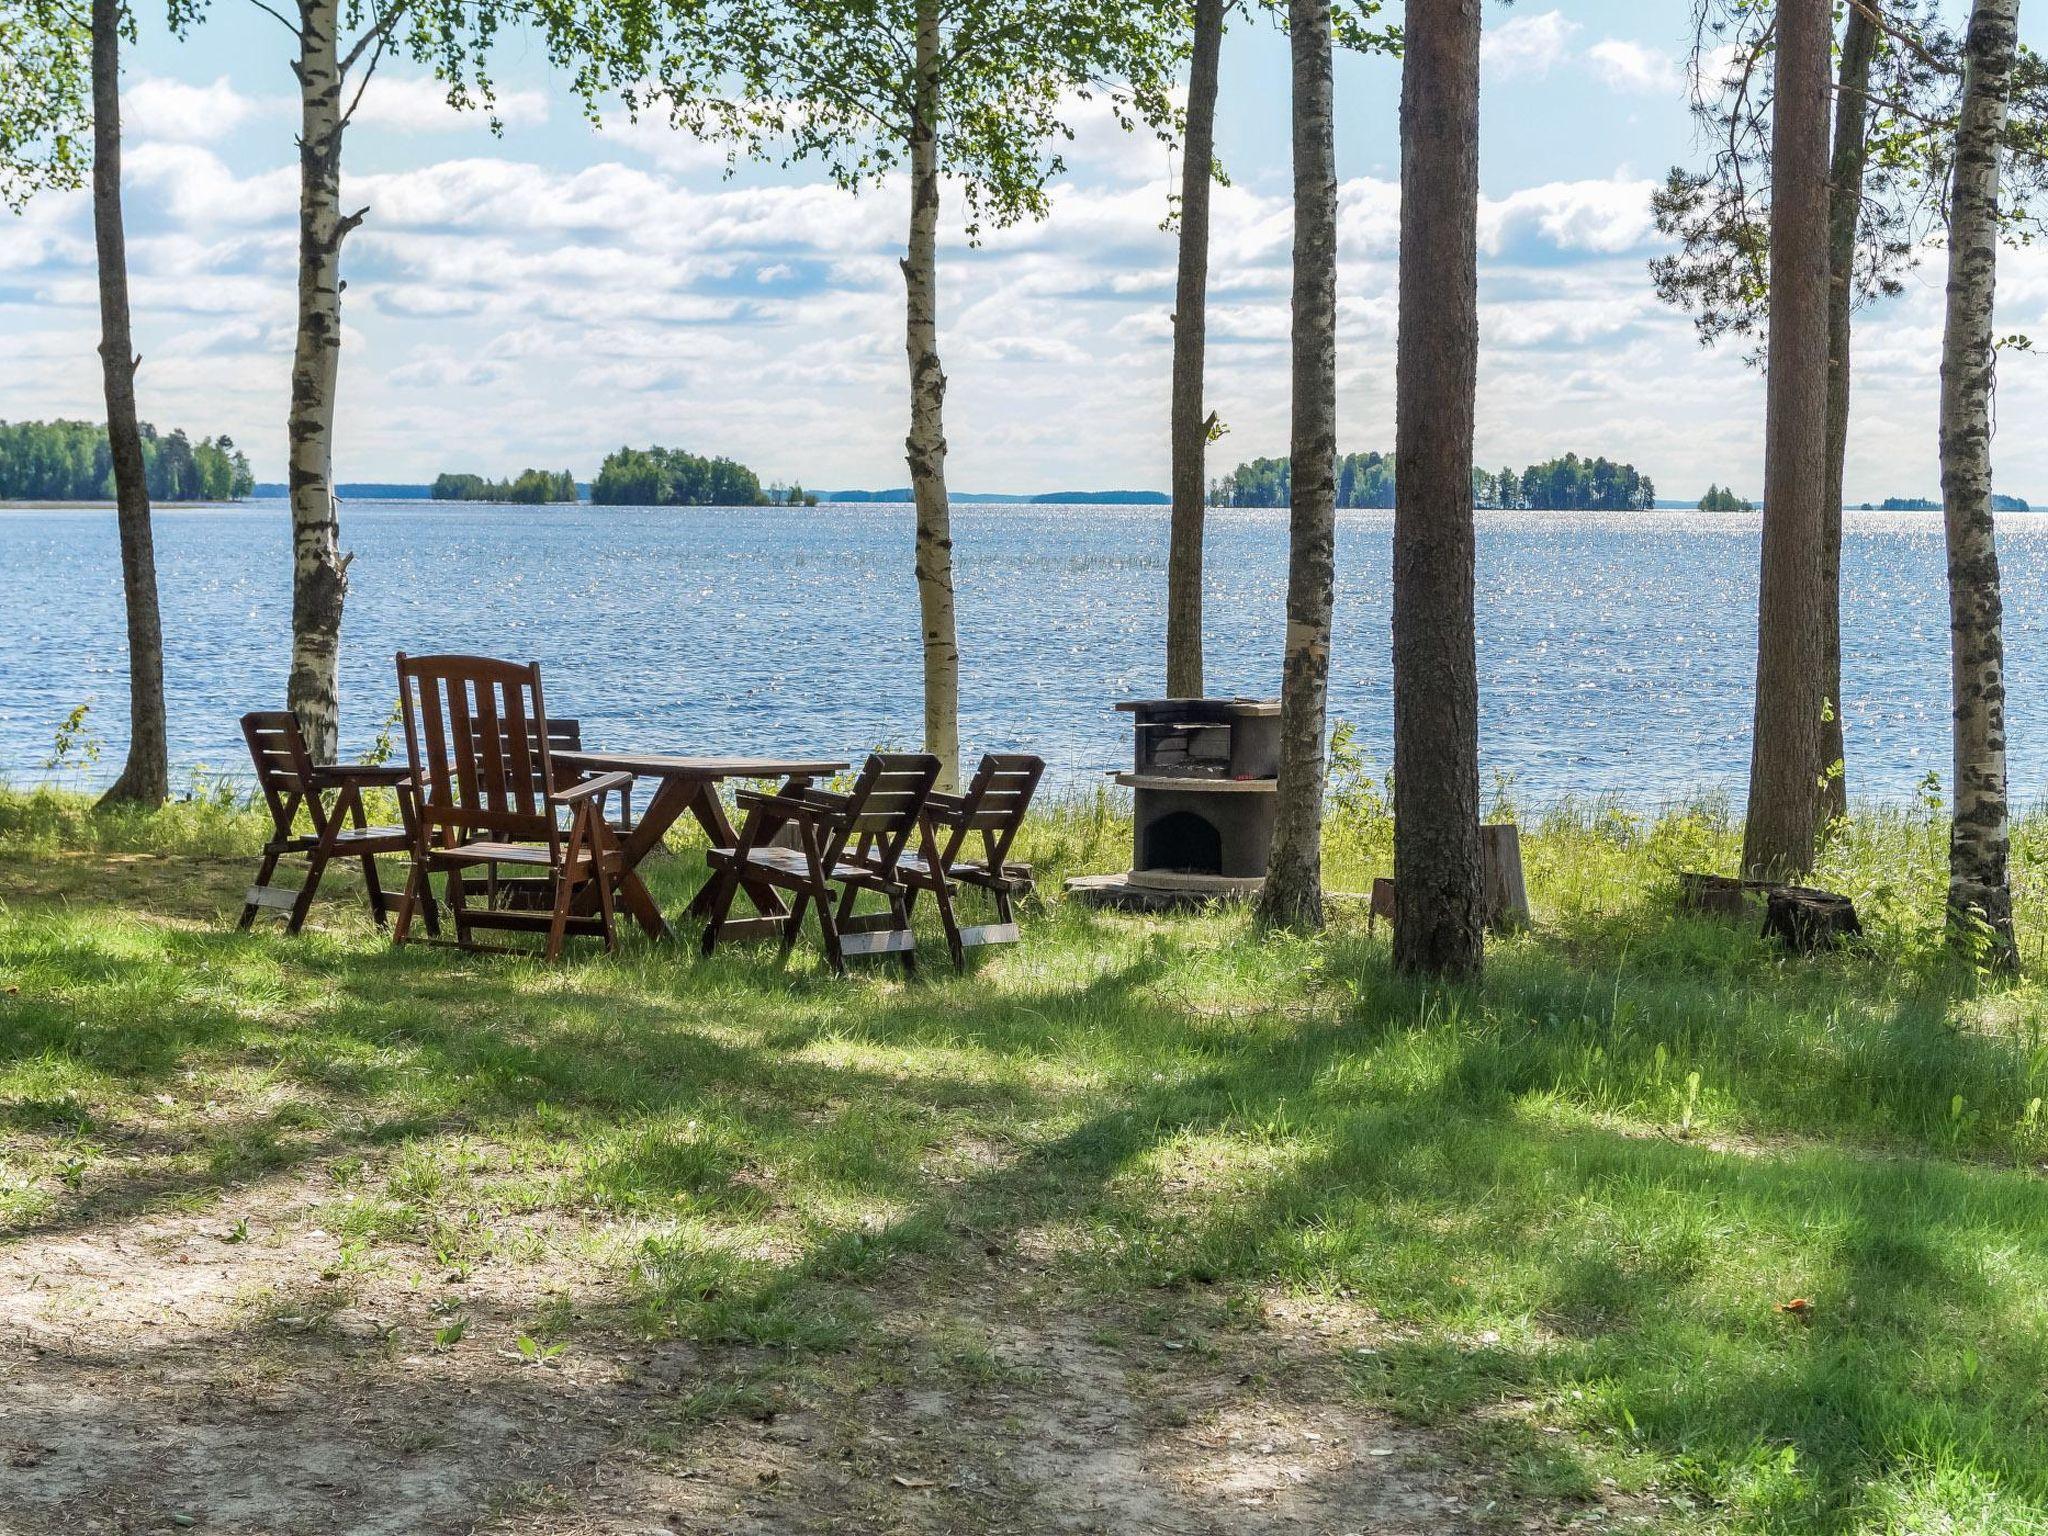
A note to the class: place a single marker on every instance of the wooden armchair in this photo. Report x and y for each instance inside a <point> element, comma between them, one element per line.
<point>563,735</point>
<point>854,842</point>
<point>993,806</point>
<point>476,734</point>
<point>331,795</point>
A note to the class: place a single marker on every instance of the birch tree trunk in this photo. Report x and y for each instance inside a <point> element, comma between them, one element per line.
<point>1438,904</point>
<point>319,568</point>
<point>1293,894</point>
<point>926,446</point>
<point>145,778</point>
<point>1786,763</point>
<point>1979,895</point>
<point>1190,430</point>
<point>1845,209</point>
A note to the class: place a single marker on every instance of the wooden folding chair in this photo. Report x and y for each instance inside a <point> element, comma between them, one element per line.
<point>853,841</point>
<point>476,734</point>
<point>993,805</point>
<point>562,736</point>
<point>331,795</point>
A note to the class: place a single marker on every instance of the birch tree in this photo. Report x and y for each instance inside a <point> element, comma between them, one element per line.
<point>337,47</point>
<point>975,93</point>
<point>1190,424</point>
<point>145,777</point>
<point>46,110</point>
<point>1293,893</point>
<point>1437,899</point>
<point>1979,892</point>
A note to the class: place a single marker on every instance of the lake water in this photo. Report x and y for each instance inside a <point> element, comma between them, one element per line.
<point>1616,650</point>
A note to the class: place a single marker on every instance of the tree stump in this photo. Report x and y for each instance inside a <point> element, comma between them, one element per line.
<point>1504,896</point>
<point>1807,919</point>
<point>1382,903</point>
<point>1716,895</point>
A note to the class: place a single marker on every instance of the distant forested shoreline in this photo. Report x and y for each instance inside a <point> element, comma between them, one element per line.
<point>533,487</point>
<point>70,461</point>
<point>1569,484</point>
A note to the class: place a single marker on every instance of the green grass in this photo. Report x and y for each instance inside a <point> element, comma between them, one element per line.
<point>1566,1203</point>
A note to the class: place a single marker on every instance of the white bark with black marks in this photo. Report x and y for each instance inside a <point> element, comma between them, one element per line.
<point>925,448</point>
<point>1293,893</point>
<point>145,777</point>
<point>1189,424</point>
<point>319,568</point>
<point>1979,892</point>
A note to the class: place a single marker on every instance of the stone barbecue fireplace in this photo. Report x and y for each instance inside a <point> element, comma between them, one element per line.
<point>1203,777</point>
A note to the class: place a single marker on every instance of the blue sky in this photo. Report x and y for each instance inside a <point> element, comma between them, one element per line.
<point>546,296</point>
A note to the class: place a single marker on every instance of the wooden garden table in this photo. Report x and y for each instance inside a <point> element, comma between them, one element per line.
<point>691,784</point>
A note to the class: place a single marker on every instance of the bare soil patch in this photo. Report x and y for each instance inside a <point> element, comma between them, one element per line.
<point>163,1371</point>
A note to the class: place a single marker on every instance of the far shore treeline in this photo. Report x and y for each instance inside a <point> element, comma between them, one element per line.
<point>532,487</point>
<point>71,461</point>
<point>1569,484</point>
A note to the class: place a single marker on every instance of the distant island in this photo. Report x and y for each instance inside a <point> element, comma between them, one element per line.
<point>673,477</point>
<point>533,487</point>
<point>1721,499</point>
<point>1569,484</point>
<point>1922,504</point>
<point>70,461</point>
<point>1042,499</point>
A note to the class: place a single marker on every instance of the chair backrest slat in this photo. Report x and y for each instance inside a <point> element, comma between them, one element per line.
<point>994,805</point>
<point>477,734</point>
<point>284,768</point>
<point>886,803</point>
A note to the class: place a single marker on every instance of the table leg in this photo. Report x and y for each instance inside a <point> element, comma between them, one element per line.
<point>709,810</point>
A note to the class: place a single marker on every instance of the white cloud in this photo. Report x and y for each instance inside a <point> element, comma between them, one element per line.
<point>1595,217</point>
<point>419,104</point>
<point>158,108</point>
<point>1634,67</point>
<point>1527,45</point>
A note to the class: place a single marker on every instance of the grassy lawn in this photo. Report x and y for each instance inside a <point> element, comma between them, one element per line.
<point>1145,1224</point>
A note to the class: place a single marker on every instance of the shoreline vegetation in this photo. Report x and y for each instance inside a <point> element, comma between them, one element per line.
<point>64,462</point>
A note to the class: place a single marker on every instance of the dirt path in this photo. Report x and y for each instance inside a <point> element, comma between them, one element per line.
<point>167,1371</point>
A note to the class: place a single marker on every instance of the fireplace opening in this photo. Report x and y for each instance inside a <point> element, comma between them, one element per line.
<point>1183,843</point>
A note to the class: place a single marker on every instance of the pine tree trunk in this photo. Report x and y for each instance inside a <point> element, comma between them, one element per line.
<point>1190,428</point>
<point>1786,762</point>
<point>1845,208</point>
<point>1439,908</point>
<point>319,568</point>
<point>1293,893</point>
<point>1979,895</point>
<point>145,778</point>
<point>926,446</point>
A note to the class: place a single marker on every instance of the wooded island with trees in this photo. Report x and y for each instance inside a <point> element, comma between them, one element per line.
<point>1568,484</point>
<point>531,487</point>
<point>72,461</point>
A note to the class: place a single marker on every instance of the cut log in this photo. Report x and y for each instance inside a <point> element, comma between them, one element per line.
<point>1807,919</point>
<point>1503,893</point>
<point>1382,903</point>
<point>1717,895</point>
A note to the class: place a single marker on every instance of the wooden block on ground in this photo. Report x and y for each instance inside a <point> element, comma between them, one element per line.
<point>1807,919</point>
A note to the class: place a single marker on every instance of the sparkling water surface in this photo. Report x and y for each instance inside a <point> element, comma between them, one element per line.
<point>1616,650</point>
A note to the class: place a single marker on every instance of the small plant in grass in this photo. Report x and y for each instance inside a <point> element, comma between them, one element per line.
<point>450,1333</point>
<point>533,1352</point>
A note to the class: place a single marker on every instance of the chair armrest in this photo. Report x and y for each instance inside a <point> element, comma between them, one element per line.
<point>943,805</point>
<point>596,785</point>
<point>362,773</point>
<point>779,804</point>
